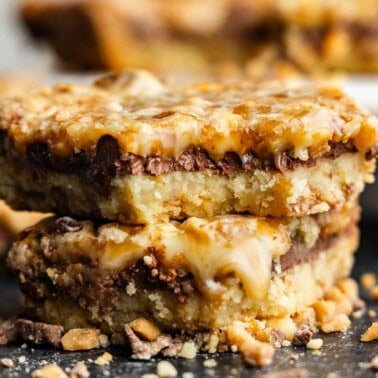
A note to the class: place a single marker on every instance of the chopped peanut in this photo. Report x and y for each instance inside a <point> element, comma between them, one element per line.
<point>104,359</point>
<point>314,344</point>
<point>371,333</point>
<point>338,323</point>
<point>368,280</point>
<point>254,352</point>
<point>49,371</point>
<point>81,339</point>
<point>145,328</point>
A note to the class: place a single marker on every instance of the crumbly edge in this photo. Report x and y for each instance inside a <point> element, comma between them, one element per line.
<point>290,292</point>
<point>146,199</point>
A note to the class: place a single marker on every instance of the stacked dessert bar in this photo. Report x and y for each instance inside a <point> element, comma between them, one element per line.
<point>215,210</point>
<point>290,36</point>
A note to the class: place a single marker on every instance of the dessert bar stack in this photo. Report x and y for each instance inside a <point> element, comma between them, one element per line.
<point>213,210</point>
<point>276,37</point>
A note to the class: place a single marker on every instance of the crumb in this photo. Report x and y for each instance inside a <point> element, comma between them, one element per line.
<point>104,341</point>
<point>166,369</point>
<point>302,335</point>
<point>332,375</point>
<point>188,374</point>
<point>358,314</point>
<point>22,359</point>
<point>144,350</point>
<point>338,323</point>
<point>6,362</point>
<point>189,350</point>
<point>374,293</point>
<point>49,371</point>
<point>80,370</point>
<point>358,304</point>
<point>314,344</point>
<point>368,280</point>
<point>372,314</point>
<point>150,375</point>
<point>211,363</point>
<point>234,348</point>
<point>371,333</point>
<point>294,356</point>
<point>254,352</point>
<point>374,363</point>
<point>286,343</point>
<point>289,373</point>
<point>81,339</point>
<point>104,359</point>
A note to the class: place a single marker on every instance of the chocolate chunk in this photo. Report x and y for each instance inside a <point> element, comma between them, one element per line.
<point>67,224</point>
<point>277,337</point>
<point>302,335</point>
<point>145,350</point>
<point>39,333</point>
<point>230,163</point>
<point>107,153</point>
<point>157,166</point>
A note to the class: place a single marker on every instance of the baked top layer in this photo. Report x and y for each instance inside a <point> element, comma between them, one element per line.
<point>148,118</point>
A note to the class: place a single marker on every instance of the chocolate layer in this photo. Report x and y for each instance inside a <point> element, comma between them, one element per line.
<point>85,283</point>
<point>106,162</point>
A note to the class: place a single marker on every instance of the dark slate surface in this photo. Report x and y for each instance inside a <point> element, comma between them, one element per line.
<point>341,354</point>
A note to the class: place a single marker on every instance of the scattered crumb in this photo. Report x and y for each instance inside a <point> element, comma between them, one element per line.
<point>211,363</point>
<point>294,356</point>
<point>104,341</point>
<point>80,370</point>
<point>49,371</point>
<point>332,375</point>
<point>104,359</point>
<point>81,339</point>
<point>189,350</point>
<point>372,314</point>
<point>314,344</point>
<point>358,314</point>
<point>374,293</point>
<point>338,323</point>
<point>6,362</point>
<point>286,343</point>
<point>22,359</point>
<point>374,363</point>
<point>371,333</point>
<point>368,280</point>
<point>166,369</point>
<point>188,374</point>
<point>234,348</point>
<point>150,375</point>
<point>316,353</point>
<point>289,373</point>
<point>254,352</point>
<point>302,335</point>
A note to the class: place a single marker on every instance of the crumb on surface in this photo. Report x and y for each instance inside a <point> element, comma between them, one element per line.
<point>371,333</point>
<point>368,280</point>
<point>166,369</point>
<point>254,352</point>
<point>104,359</point>
<point>49,371</point>
<point>79,370</point>
<point>189,350</point>
<point>314,344</point>
<point>6,362</point>
<point>210,363</point>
